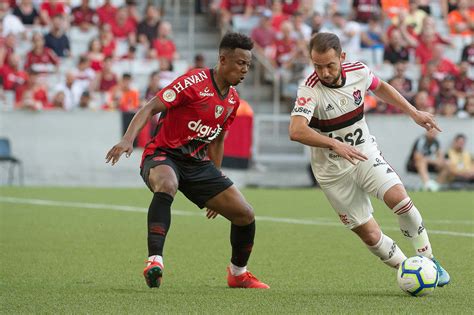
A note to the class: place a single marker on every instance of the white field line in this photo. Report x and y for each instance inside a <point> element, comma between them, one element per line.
<point>322,221</point>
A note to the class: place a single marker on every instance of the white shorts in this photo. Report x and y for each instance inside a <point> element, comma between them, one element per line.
<point>349,195</point>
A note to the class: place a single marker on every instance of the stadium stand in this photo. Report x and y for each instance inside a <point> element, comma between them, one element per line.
<point>271,86</point>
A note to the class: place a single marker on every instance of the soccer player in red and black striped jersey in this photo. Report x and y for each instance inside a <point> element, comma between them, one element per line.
<point>186,153</point>
<point>329,116</point>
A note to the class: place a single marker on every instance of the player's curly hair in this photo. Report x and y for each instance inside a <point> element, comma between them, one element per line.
<point>233,40</point>
<point>322,42</point>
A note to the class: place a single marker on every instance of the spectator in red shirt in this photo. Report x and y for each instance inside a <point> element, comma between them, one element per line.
<point>285,46</point>
<point>131,6</point>
<point>228,8</point>
<point>12,76</point>
<point>32,95</point>
<point>95,54</point>
<point>7,47</point>
<point>83,16</point>
<point>41,59</point>
<point>464,85</point>
<point>264,35</point>
<point>427,39</point>
<point>278,16</point>
<point>50,8</point>
<point>164,47</point>
<point>363,10</point>
<point>289,7</point>
<point>431,87</point>
<point>106,12</point>
<point>106,79</point>
<point>107,40</point>
<point>443,66</point>
<point>123,26</point>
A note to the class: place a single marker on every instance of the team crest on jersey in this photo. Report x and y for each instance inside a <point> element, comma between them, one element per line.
<point>219,110</point>
<point>169,95</point>
<point>357,97</point>
<point>231,100</point>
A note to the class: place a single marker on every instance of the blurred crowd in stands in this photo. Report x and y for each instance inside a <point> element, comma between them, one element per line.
<point>427,56</point>
<point>114,55</point>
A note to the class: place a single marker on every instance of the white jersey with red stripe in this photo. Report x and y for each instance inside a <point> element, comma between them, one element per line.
<point>337,112</point>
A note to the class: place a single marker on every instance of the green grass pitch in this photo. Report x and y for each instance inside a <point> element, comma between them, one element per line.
<point>70,250</point>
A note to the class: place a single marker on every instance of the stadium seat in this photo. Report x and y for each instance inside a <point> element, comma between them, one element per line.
<point>413,71</point>
<point>75,34</point>
<point>9,104</point>
<point>6,157</point>
<point>122,66</point>
<point>180,66</point>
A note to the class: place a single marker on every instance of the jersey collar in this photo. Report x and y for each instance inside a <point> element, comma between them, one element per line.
<point>222,97</point>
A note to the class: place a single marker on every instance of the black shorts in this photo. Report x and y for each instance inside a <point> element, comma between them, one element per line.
<point>198,181</point>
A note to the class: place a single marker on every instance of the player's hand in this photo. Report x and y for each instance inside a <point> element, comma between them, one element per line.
<point>348,152</point>
<point>425,120</point>
<point>117,150</point>
<point>211,214</point>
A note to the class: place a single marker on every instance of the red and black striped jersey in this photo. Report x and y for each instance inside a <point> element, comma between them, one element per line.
<point>196,114</point>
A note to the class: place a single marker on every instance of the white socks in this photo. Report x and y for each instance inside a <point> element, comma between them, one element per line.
<point>237,271</point>
<point>156,258</point>
<point>411,225</point>
<point>388,251</point>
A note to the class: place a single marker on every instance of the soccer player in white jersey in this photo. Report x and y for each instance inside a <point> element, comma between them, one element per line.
<point>328,116</point>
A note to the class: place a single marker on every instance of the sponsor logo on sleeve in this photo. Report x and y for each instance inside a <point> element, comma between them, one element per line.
<point>169,95</point>
<point>301,110</point>
<point>189,81</point>
<point>302,101</point>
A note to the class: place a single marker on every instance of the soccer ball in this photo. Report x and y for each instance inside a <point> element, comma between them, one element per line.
<point>417,276</point>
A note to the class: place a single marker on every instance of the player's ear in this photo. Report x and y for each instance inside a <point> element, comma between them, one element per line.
<point>343,56</point>
<point>222,58</point>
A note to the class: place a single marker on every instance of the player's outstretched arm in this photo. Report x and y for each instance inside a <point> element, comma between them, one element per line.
<point>301,132</point>
<point>391,96</point>
<point>143,115</point>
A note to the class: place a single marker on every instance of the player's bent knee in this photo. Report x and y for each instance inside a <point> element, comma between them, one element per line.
<point>394,195</point>
<point>167,186</point>
<point>247,215</point>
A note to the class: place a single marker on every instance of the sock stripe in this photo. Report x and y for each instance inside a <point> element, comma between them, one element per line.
<point>404,211</point>
<point>405,208</point>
